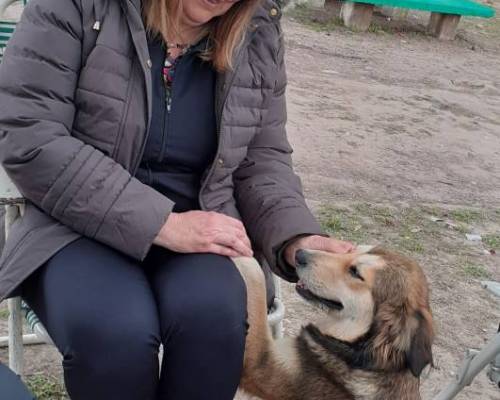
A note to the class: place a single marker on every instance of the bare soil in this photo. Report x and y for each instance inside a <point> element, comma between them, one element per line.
<point>393,129</point>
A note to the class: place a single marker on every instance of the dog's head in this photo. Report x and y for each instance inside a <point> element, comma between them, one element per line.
<point>377,307</point>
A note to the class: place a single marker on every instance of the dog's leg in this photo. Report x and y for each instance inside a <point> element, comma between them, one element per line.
<point>266,361</point>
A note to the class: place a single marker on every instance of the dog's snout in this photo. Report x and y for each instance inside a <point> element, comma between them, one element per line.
<point>301,258</point>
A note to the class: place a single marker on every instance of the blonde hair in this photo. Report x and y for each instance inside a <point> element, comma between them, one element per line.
<point>225,32</point>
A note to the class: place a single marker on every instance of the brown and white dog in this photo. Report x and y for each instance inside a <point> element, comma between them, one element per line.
<point>370,343</point>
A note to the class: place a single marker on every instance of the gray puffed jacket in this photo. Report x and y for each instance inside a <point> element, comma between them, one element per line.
<point>75,107</point>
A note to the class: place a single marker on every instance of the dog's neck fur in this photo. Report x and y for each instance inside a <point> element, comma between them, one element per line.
<point>354,363</point>
<point>345,329</point>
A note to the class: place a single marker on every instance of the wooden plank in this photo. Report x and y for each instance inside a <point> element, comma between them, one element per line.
<point>434,21</point>
<point>443,26</point>
<point>357,16</point>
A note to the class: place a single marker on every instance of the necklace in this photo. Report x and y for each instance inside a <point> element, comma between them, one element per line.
<point>181,46</point>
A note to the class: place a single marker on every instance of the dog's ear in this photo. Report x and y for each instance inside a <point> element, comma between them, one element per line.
<point>419,355</point>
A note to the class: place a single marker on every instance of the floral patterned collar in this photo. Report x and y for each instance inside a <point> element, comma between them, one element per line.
<point>169,66</point>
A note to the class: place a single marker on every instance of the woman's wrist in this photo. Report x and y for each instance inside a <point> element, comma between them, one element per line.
<point>170,223</point>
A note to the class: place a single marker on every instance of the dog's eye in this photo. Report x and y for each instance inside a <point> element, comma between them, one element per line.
<point>353,270</point>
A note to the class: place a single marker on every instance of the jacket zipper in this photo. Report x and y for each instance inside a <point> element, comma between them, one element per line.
<point>219,122</point>
<point>165,113</point>
<point>168,107</point>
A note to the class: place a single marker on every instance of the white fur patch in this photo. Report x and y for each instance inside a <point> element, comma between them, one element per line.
<point>369,261</point>
<point>364,248</point>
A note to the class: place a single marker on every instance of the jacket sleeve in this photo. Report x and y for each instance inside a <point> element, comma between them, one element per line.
<point>268,192</point>
<point>71,181</point>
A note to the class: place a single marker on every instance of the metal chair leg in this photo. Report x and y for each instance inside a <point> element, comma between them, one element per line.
<point>16,351</point>
<point>15,323</point>
<point>473,364</point>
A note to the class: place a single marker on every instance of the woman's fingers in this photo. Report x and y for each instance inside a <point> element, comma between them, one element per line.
<point>326,244</point>
<point>200,231</point>
<point>316,242</point>
<point>227,220</point>
<point>338,246</point>
<point>222,250</point>
<point>235,243</point>
<point>240,229</point>
<point>243,236</point>
<point>232,230</point>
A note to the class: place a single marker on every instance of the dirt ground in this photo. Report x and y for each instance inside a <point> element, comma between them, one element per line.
<point>397,140</point>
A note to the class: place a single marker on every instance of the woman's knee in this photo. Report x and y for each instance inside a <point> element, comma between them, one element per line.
<point>209,302</point>
<point>104,343</point>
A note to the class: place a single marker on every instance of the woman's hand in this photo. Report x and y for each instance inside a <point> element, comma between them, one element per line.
<point>315,242</point>
<point>204,232</point>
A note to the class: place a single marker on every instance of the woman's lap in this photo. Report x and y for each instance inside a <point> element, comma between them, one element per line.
<point>107,314</point>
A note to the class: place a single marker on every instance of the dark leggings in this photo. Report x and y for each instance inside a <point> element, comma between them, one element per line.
<point>108,314</point>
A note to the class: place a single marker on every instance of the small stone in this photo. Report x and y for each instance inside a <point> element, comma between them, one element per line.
<point>329,71</point>
<point>473,237</point>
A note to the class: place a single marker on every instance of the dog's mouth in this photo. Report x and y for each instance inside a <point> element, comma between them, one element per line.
<point>309,296</point>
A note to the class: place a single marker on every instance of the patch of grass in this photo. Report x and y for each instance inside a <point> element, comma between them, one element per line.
<point>332,223</point>
<point>462,228</point>
<point>365,223</point>
<point>408,229</point>
<point>315,19</point>
<point>383,215</point>
<point>466,216</point>
<point>474,271</point>
<point>409,243</point>
<point>412,217</point>
<point>432,210</point>
<point>492,241</point>
<point>46,387</point>
<point>4,314</point>
<point>342,224</point>
<point>377,28</point>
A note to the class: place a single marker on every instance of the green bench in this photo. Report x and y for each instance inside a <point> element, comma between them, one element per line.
<point>6,30</point>
<point>8,21</point>
<point>445,14</point>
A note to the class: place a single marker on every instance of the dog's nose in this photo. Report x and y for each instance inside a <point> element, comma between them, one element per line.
<point>301,257</point>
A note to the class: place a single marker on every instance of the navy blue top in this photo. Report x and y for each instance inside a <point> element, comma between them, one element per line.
<point>181,143</point>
